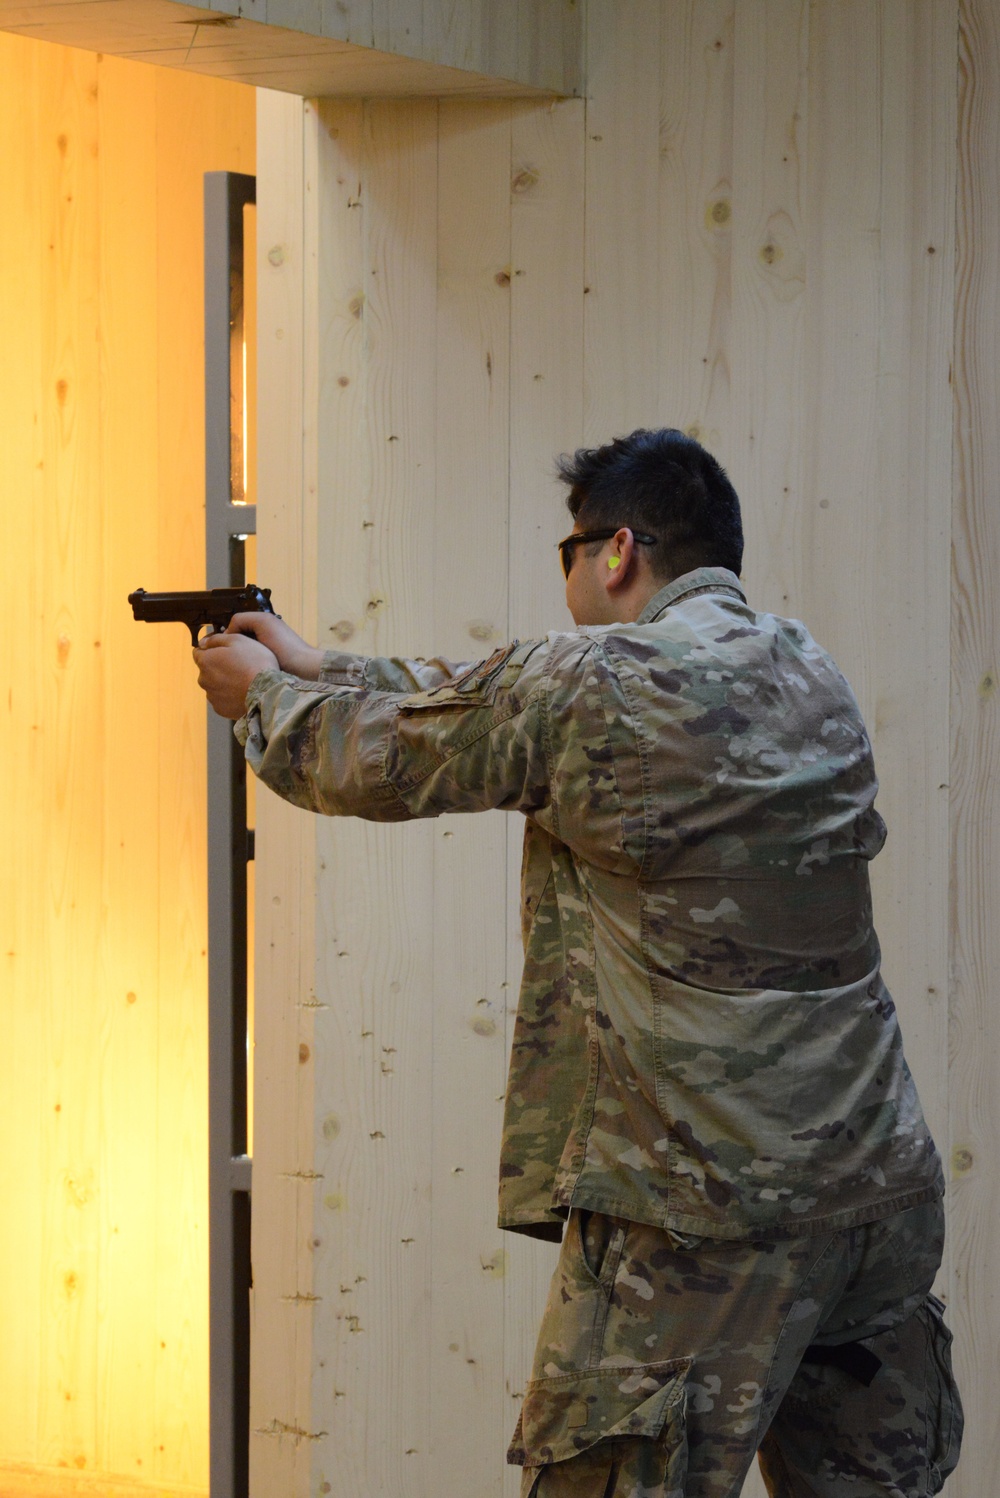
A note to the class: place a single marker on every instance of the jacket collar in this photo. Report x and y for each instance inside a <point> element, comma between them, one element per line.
<point>702,580</point>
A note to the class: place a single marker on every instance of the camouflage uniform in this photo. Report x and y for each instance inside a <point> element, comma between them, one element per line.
<point>704,1044</point>
<point>661,1368</point>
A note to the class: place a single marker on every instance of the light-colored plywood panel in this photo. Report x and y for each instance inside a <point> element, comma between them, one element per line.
<point>128,1356</point>
<point>695,224</point>
<point>57,1482</point>
<point>71,711</point>
<point>546,376</point>
<point>843,217</point>
<point>975,843</point>
<point>768,436</point>
<point>103,1232</point>
<point>470,1413</point>
<point>23,1102</point>
<point>343,1052</point>
<point>622,351</point>
<point>375,957</point>
<point>281,1339</point>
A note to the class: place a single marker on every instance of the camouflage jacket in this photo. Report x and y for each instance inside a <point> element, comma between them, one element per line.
<point>703,1040</point>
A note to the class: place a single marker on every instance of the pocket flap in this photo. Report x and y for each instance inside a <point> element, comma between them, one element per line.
<point>476,685</point>
<point>563,1416</point>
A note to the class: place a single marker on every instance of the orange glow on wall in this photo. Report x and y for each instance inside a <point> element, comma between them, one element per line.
<point>103,1247</point>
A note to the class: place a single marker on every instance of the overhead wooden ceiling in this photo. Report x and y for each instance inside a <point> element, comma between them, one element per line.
<point>355,48</point>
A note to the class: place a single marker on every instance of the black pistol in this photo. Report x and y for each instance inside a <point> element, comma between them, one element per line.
<point>216,606</point>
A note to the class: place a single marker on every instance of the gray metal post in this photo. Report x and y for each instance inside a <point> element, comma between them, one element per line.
<point>228,850</point>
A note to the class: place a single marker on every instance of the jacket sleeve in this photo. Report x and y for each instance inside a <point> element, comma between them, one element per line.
<point>474,741</point>
<point>388,673</point>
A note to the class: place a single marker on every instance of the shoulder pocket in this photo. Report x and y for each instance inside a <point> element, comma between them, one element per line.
<point>476,686</point>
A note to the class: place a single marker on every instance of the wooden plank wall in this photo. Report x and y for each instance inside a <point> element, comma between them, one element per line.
<point>746,230</point>
<point>973,1091</point>
<point>103,1255</point>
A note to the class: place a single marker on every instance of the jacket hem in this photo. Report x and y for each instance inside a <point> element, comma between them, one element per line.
<point>743,1231</point>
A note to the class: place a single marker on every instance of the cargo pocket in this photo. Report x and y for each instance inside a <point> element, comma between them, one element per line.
<point>578,1430</point>
<point>945,1419</point>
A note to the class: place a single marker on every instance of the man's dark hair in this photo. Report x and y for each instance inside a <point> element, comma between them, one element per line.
<point>665,484</point>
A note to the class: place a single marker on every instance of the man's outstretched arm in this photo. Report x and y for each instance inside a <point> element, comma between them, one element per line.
<point>472,741</point>
<point>310,663</point>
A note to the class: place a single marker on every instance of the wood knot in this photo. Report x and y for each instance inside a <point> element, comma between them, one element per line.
<point>524,180</point>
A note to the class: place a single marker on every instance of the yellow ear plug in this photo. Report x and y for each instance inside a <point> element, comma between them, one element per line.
<point>615,562</point>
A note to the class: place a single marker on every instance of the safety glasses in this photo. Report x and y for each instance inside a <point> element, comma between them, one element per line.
<point>567,544</point>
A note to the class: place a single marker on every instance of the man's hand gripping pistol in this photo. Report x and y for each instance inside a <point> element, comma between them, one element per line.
<point>246,637</point>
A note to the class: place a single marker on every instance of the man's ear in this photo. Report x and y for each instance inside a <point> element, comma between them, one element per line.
<point>620,560</point>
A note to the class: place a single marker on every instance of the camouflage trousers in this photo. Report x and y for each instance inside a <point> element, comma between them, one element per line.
<point>664,1365</point>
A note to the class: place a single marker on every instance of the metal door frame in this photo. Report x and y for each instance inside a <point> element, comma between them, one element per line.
<point>230,846</point>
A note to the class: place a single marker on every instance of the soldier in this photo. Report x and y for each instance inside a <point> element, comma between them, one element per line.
<point>707,1098</point>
